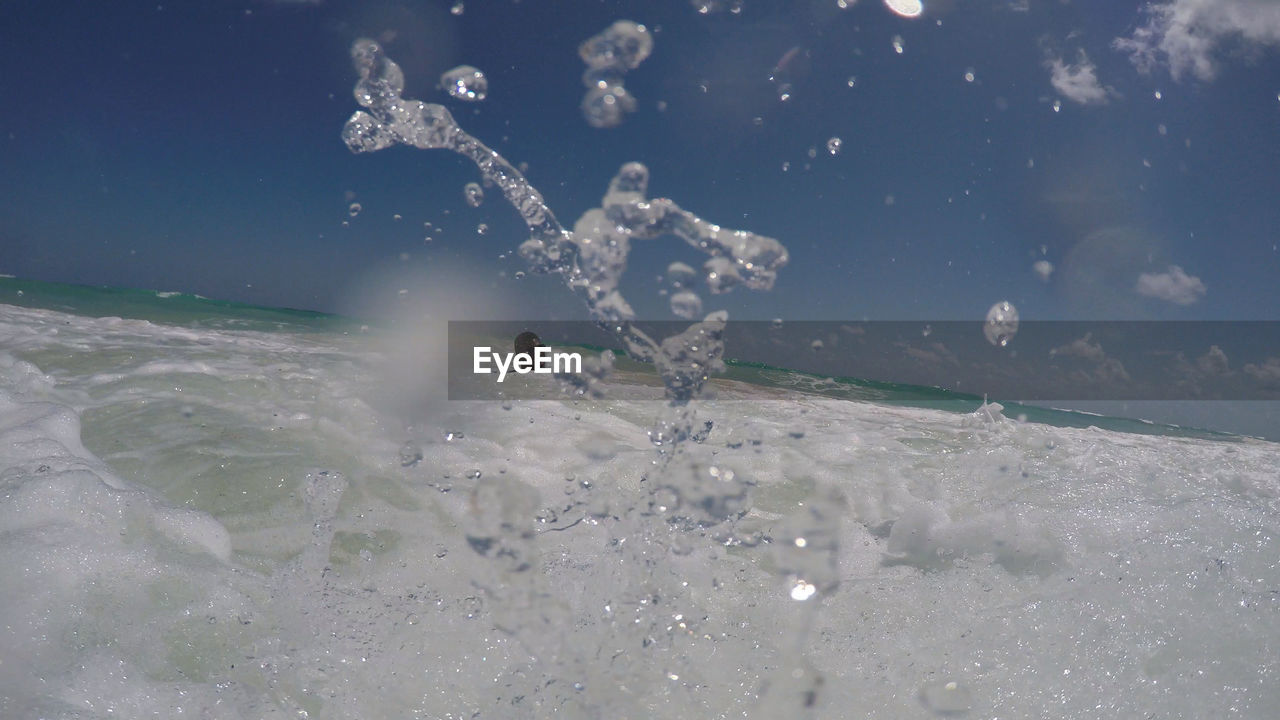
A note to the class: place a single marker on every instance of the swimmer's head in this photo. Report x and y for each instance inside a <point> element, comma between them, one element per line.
<point>526,342</point>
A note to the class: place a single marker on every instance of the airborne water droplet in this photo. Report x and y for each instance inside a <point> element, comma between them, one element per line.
<point>833,145</point>
<point>465,83</point>
<point>473,193</point>
<point>354,209</point>
<point>1002,324</point>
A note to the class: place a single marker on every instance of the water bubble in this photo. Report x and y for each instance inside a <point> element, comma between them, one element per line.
<point>816,345</point>
<point>1057,106</point>
<point>396,217</point>
<point>465,83</point>
<point>458,8</point>
<point>519,274</point>
<point>852,81</point>
<point>833,145</point>
<point>1002,324</point>
<point>968,75</point>
<point>898,45</point>
<point>473,193</point>
<point>813,152</point>
<point>354,209</point>
<point>482,228</point>
<point>776,324</point>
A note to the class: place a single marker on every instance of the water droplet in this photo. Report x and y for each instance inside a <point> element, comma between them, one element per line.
<point>609,55</point>
<point>946,699</point>
<point>458,8</point>
<point>802,590</point>
<point>1160,95</point>
<point>816,345</point>
<point>905,8</point>
<point>968,75</point>
<point>686,304</point>
<point>927,331</point>
<point>1002,324</point>
<point>473,193</point>
<point>1043,268</point>
<point>519,274</point>
<point>354,209</point>
<point>776,324</point>
<point>898,45</point>
<point>852,81</point>
<point>605,107</point>
<point>465,83</point>
<point>482,229</point>
<point>833,145</point>
<point>1057,106</point>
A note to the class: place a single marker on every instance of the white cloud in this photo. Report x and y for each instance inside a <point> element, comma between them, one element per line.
<point>1078,82</point>
<point>1214,362</point>
<point>1082,348</point>
<point>1268,373</point>
<point>1187,34</point>
<point>1173,285</point>
<point>1106,368</point>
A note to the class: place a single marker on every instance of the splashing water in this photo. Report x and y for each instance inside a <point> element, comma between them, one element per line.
<point>465,83</point>
<point>609,55</point>
<point>689,489</point>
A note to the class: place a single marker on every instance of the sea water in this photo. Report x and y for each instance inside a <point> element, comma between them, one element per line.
<point>225,512</point>
<point>202,520</point>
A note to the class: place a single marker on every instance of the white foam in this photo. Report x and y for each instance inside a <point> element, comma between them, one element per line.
<point>239,538</point>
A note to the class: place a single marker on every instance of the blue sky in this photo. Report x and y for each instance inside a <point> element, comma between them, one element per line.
<point>196,147</point>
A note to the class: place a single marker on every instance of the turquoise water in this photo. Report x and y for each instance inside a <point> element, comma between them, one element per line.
<point>199,312</point>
